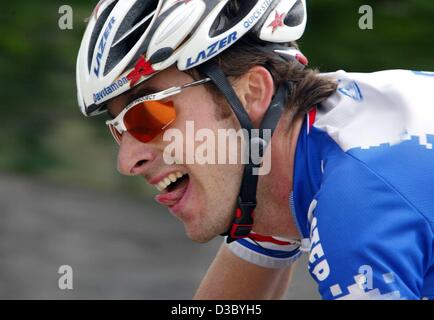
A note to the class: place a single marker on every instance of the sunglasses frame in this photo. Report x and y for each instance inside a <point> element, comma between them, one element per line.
<point>118,124</point>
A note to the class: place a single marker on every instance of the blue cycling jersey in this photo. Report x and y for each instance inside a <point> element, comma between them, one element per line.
<point>363,194</point>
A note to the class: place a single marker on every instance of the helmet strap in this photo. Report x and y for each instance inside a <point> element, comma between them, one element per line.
<point>242,223</point>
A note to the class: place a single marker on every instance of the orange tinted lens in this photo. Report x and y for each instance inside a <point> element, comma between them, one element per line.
<point>148,119</point>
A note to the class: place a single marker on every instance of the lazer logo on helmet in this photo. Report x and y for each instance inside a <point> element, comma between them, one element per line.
<point>213,49</point>
<point>102,45</point>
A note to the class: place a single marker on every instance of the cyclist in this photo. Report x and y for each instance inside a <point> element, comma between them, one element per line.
<point>351,154</point>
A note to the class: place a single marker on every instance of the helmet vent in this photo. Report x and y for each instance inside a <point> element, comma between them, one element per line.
<point>232,13</point>
<point>97,30</point>
<point>296,15</point>
<point>140,14</point>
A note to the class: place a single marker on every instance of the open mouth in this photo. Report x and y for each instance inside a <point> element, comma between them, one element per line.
<point>172,189</point>
<point>178,184</point>
<point>171,182</point>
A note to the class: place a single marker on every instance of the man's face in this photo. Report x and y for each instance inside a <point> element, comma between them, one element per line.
<point>204,199</point>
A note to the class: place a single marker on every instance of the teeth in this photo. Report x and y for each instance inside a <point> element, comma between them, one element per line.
<point>173,177</point>
<point>161,186</point>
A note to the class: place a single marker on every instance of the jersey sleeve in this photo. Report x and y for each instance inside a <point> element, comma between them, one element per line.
<point>367,240</point>
<point>265,251</point>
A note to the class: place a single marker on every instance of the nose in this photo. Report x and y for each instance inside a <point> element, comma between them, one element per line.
<point>134,155</point>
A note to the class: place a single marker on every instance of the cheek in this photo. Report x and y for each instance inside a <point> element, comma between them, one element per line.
<point>195,107</point>
<point>191,116</point>
<point>220,182</point>
<point>194,114</point>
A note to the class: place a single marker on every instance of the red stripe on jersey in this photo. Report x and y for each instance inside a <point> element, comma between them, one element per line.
<point>259,238</point>
<point>312,117</point>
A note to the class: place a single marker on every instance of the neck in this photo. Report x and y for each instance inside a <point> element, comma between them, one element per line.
<point>272,214</point>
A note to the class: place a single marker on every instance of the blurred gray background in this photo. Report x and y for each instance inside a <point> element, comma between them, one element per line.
<point>119,247</point>
<point>62,201</point>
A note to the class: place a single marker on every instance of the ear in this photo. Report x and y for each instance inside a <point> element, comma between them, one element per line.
<point>255,90</point>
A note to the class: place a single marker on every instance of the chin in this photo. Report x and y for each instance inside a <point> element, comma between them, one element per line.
<point>200,234</point>
<point>199,237</point>
<point>202,228</point>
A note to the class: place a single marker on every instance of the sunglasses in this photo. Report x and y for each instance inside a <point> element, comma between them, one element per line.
<point>148,116</point>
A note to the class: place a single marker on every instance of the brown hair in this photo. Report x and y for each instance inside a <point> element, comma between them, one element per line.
<point>308,87</point>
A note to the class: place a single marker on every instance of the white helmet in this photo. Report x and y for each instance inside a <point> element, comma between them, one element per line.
<point>128,41</point>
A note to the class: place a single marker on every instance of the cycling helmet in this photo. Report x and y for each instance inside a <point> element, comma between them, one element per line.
<point>129,41</point>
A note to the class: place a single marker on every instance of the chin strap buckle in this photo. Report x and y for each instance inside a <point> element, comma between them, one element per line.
<point>242,224</point>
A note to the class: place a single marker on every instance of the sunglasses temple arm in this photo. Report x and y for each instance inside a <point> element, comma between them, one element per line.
<point>167,93</point>
<point>196,83</point>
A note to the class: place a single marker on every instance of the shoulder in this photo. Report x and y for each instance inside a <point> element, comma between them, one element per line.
<point>351,190</point>
<point>385,121</point>
<point>385,79</point>
<point>373,109</point>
